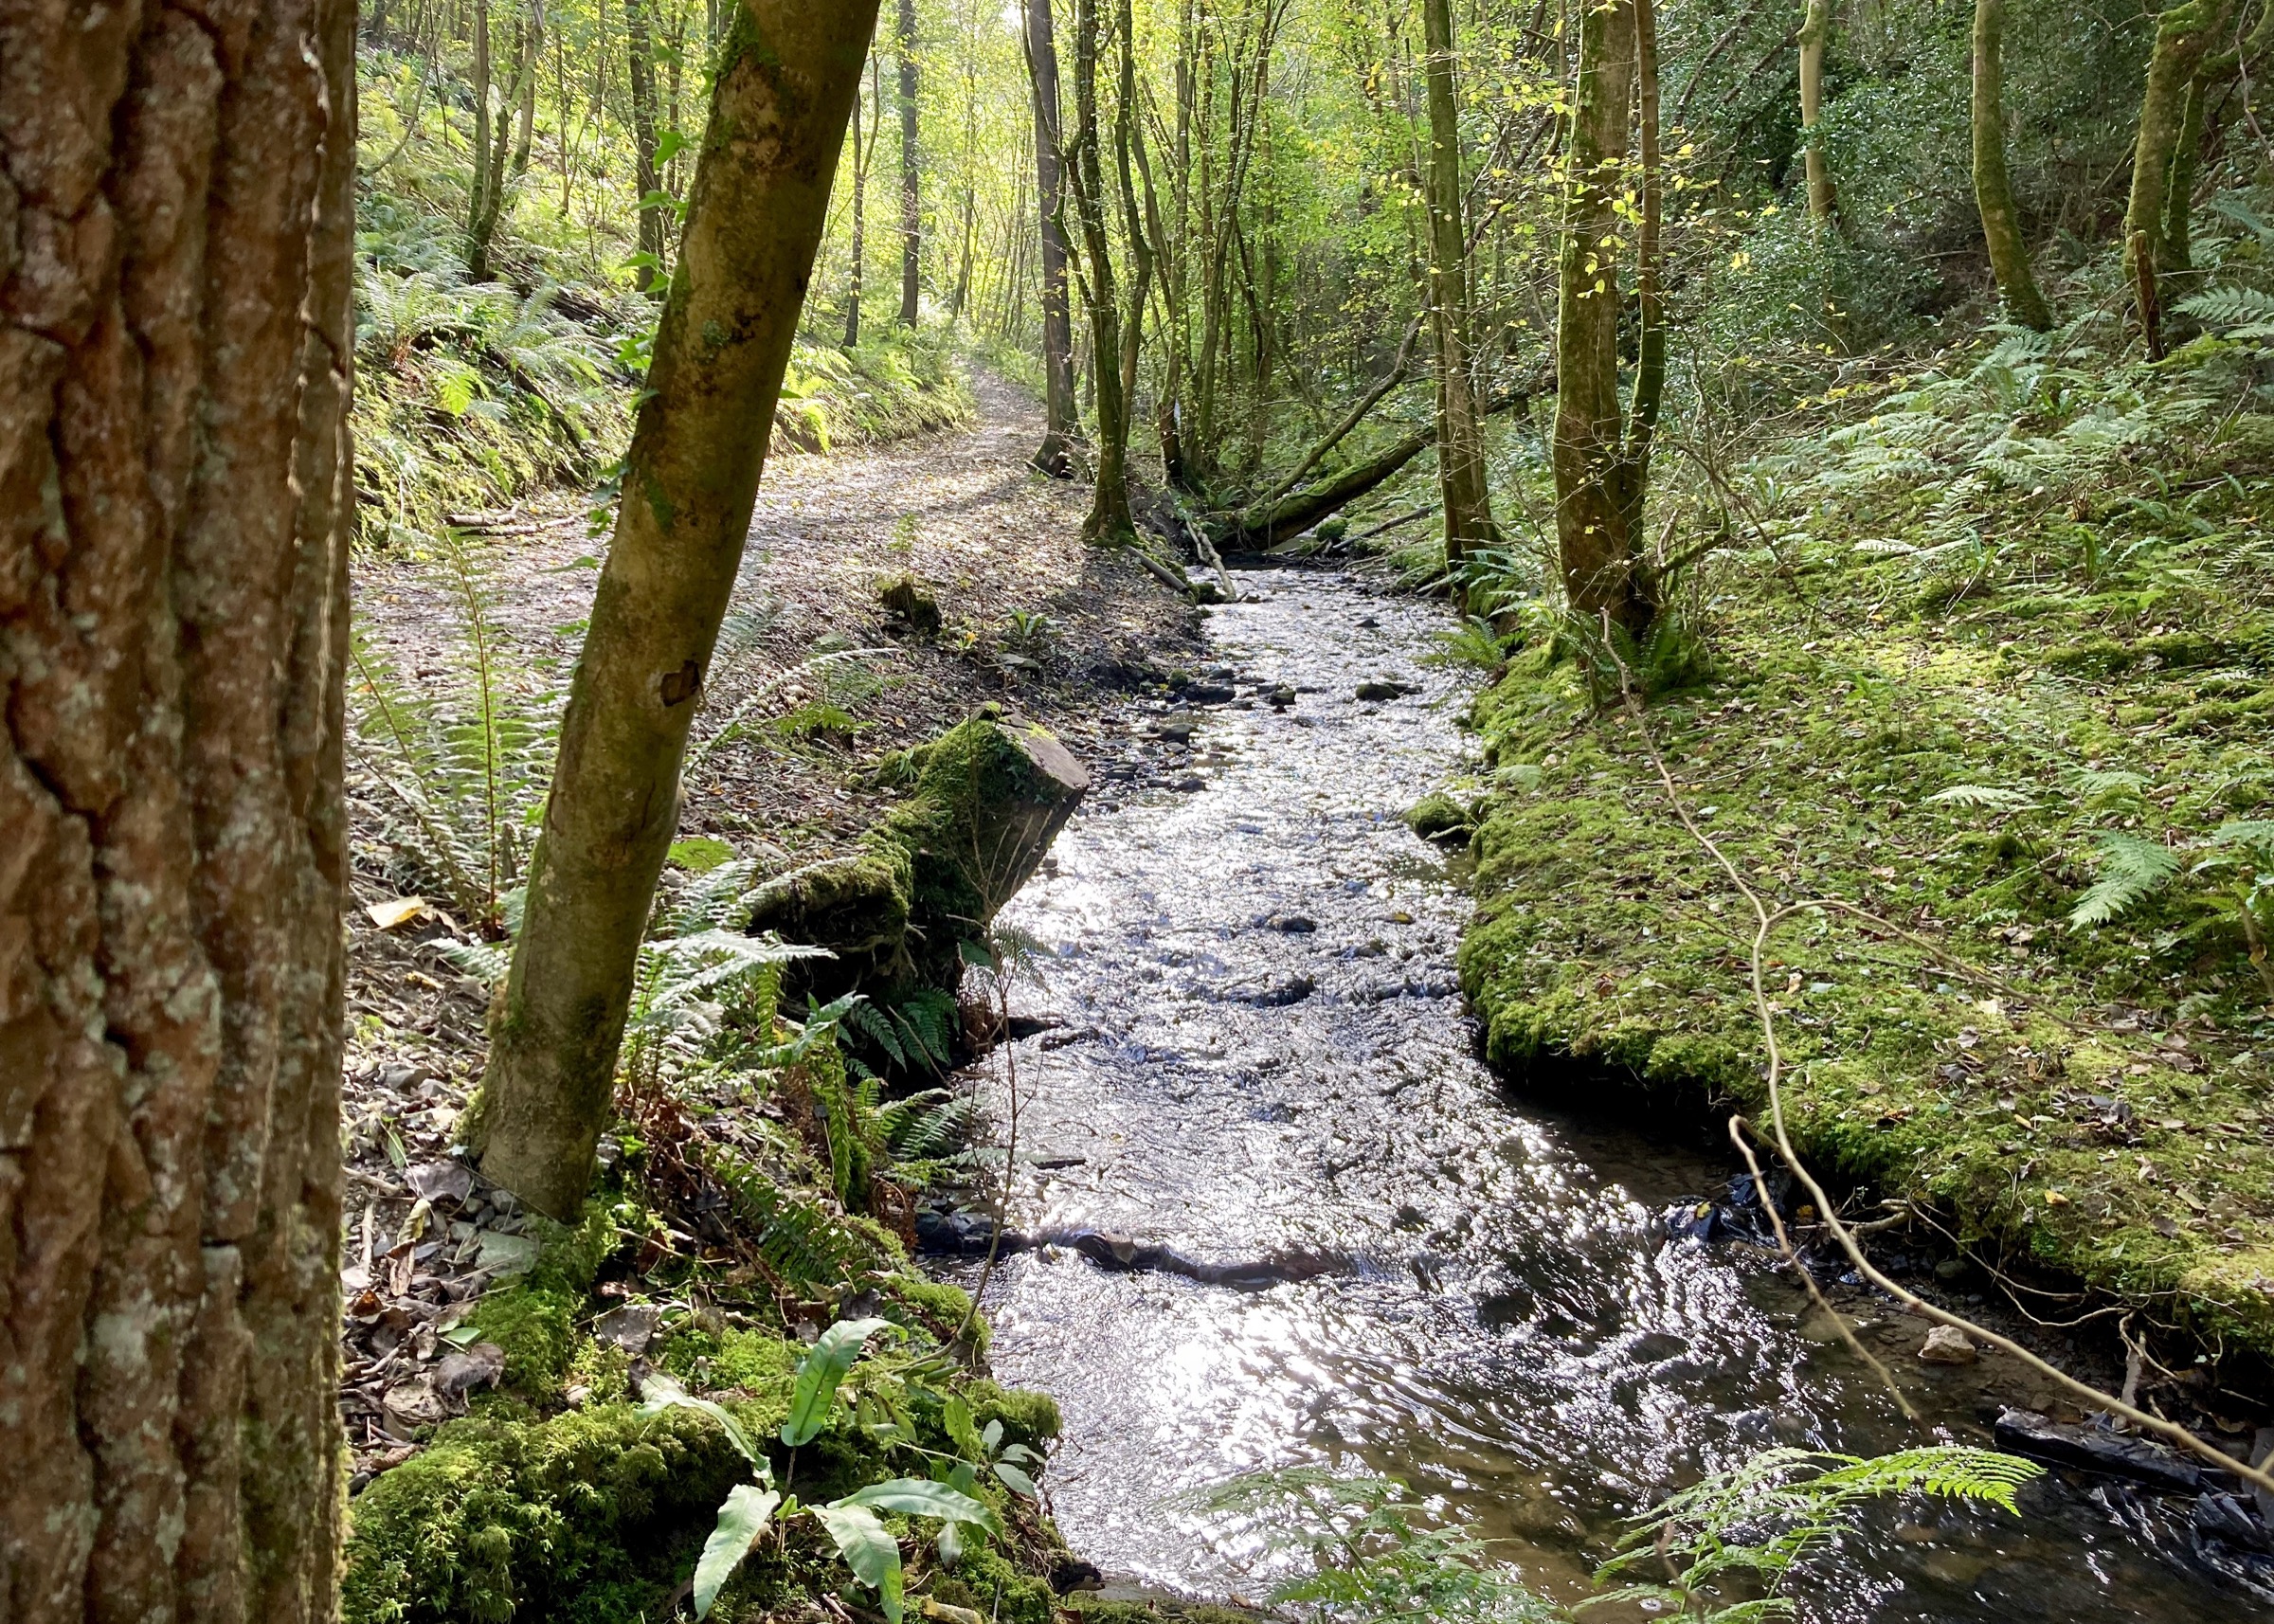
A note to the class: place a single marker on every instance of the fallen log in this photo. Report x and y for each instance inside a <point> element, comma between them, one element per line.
<point>1263,524</point>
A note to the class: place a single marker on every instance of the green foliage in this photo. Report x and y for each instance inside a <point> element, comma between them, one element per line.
<point>2131,869</point>
<point>461,764</point>
<point>867,1547</point>
<point>1755,1522</point>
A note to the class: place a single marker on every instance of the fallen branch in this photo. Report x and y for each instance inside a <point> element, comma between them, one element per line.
<point>1765,920</point>
<point>1351,418</point>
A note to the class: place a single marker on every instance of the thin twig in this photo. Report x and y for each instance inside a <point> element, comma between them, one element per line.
<point>2169,1431</point>
<point>1784,1244</point>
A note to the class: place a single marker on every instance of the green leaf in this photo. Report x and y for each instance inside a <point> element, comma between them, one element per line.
<point>2131,869</point>
<point>917,1497</point>
<point>1015,1479</point>
<point>818,1373</point>
<point>1983,795</point>
<point>741,1520</point>
<point>669,145</point>
<point>872,1553</point>
<point>735,1436</point>
<point>955,1415</point>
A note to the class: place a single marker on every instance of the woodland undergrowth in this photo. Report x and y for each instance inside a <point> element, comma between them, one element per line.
<point>1976,641</point>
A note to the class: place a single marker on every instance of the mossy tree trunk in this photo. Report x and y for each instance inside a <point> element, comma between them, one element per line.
<point>175,502</point>
<point>786,78</point>
<point>1467,501</point>
<point>860,222</point>
<point>1062,421</point>
<point>2183,35</point>
<point>2179,195</point>
<point>1815,31</point>
<point>912,168</point>
<point>1992,187</point>
<point>1602,449</point>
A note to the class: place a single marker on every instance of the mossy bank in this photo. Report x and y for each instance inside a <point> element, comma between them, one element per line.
<point>2044,754</point>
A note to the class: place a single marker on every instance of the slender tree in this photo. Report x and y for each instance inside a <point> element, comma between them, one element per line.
<point>1467,499</point>
<point>176,499</point>
<point>786,77</point>
<point>640,46</point>
<point>1061,422</point>
<point>1993,189</point>
<point>1815,31</point>
<point>862,156</point>
<point>2183,35</point>
<point>1109,517</point>
<point>911,173</point>
<point>1602,449</point>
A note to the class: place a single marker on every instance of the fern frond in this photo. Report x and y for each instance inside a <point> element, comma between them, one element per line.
<point>2131,869</point>
<point>1984,795</point>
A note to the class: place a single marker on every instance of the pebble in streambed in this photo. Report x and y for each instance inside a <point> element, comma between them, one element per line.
<point>1260,1054</point>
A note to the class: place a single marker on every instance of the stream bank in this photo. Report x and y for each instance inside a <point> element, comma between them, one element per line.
<point>1253,1046</point>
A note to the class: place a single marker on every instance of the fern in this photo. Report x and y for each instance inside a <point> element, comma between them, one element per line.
<point>2131,869</point>
<point>2240,312</point>
<point>1984,795</point>
<point>1758,1519</point>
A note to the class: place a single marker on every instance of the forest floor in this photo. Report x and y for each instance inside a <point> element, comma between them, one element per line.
<point>816,678</point>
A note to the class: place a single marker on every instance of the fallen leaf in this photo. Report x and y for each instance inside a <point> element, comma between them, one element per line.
<point>480,1366</point>
<point>507,1253</point>
<point>442,1180</point>
<point>395,912</point>
<point>630,1328</point>
<point>2055,1199</point>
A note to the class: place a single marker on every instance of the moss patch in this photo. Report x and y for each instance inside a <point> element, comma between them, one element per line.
<point>1960,769</point>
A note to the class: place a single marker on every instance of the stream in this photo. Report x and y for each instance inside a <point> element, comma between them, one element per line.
<point>1262,1051</point>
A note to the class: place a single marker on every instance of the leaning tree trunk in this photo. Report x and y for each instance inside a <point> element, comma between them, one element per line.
<point>1460,447</point>
<point>1993,187</point>
<point>1062,421</point>
<point>2183,34</point>
<point>786,77</point>
<point>175,497</point>
<point>911,175</point>
<point>1816,29</point>
<point>1600,568</point>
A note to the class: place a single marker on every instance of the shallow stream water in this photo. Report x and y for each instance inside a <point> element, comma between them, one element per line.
<point>1262,1051</point>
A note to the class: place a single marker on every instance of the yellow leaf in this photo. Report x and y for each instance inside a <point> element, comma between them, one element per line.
<point>2055,1199</point>
<point>396,912</point>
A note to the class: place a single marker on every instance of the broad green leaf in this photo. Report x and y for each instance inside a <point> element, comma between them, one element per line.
<point>735,1436</point>
<point>819,1374</point>
<point>950,1545</point>
<point>955,1415</point>
<point>917,1497</point>
<point>741,1520</point>
<point>993,1435</point>
<point>1015,1480</point>
<point>872,1553</point>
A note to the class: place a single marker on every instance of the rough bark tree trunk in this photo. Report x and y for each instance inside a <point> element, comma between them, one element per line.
<point>2183,34</point>
<point>175,501</point>
<point>1061,427</point>
<point>1468,500</point>
<point>2179,195</point>
<point>1993,187</point>
<point>788,74</point>
<point>1816,29</point>
<point>912,173</point>
<point>642,50</point>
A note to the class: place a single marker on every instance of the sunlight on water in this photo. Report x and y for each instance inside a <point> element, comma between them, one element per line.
<point>1262,1054</point>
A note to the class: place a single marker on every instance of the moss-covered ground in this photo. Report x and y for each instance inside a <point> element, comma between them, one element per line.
<point>1987,656</point>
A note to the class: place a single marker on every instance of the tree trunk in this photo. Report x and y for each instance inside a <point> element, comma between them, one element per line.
<point>643,65</point>
<point>786,78</point>
<point>1109,516</point>
<point>1993,190</point>
<point>1061,422</point>
<point>1460,447</point>
<point>911,177</point>
<point>1816,29</point>
<point>1599,567</point>
<point>477,202</point>
<point>2183,34</point>
<point>176,503</point>
<point>2179,196</point>
<point>860,192</point>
